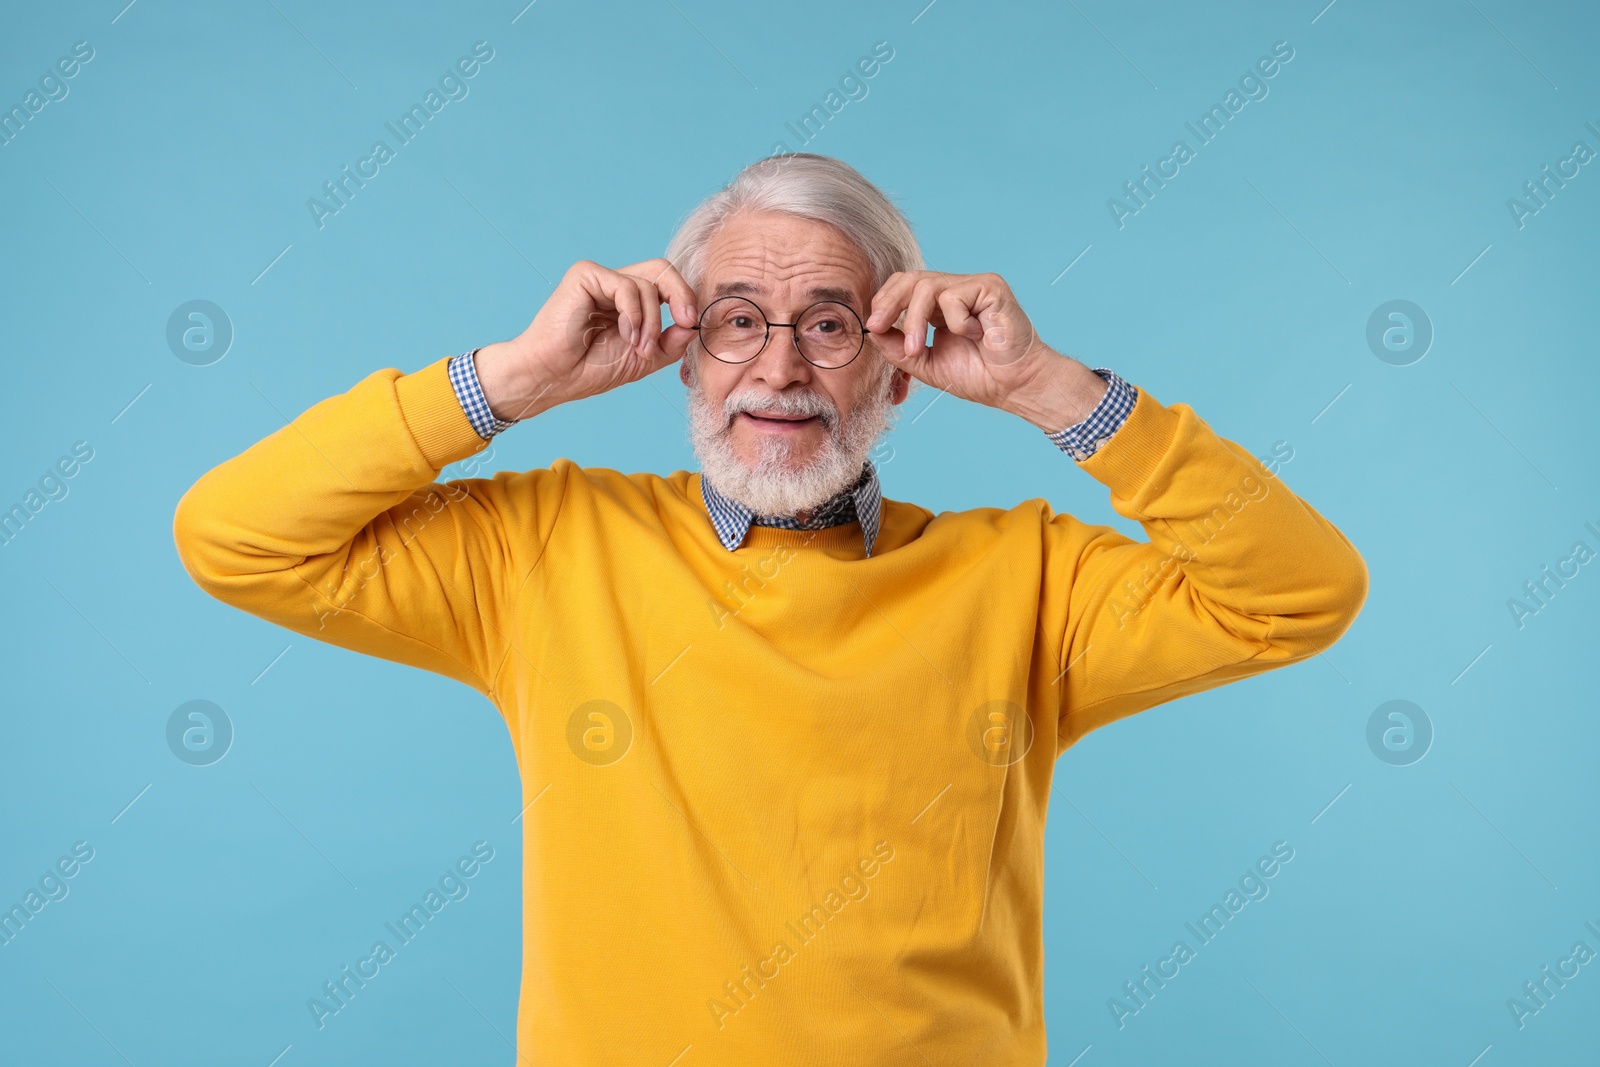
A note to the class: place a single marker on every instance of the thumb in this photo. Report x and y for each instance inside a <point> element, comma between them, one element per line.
<point>891,343</point>
<point>671,346</point>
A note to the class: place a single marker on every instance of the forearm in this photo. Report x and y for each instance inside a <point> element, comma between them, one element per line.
<point>303,523</point>
<point>1239,574</point>
<point>1226,537</point>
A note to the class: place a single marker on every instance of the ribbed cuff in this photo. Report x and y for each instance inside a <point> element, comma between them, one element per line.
<point>435,417</point>
<point>1127,462</point>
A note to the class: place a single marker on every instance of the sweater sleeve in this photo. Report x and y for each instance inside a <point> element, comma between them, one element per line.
<point>1239,575</point>
<point>334,528</point>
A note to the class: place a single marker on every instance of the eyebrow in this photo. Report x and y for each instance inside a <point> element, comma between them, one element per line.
<point>816,292</point>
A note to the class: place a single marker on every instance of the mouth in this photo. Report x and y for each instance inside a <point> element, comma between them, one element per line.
<point>778,423</point>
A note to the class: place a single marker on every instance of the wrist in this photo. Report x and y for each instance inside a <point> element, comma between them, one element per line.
<point>512,392</point>
<point>1063,393</point>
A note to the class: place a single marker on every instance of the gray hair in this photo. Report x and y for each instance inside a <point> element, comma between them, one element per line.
<point>813,187</point>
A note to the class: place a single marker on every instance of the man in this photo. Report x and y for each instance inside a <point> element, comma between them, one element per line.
<point>792,740</point>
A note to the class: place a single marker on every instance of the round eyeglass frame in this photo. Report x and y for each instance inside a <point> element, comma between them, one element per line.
<point>795,326</point>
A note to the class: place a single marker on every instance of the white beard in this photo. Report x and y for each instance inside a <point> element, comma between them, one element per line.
<point>773,486</point>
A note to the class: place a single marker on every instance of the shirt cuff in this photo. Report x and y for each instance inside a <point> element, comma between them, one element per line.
<point>464,379</point>
<point>1080,441</point>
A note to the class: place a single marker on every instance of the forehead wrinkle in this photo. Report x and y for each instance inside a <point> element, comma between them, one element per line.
<point>780,251</point>
<point>765,269</point>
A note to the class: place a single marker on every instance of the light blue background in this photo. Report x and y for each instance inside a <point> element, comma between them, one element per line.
<point>1378,168</point>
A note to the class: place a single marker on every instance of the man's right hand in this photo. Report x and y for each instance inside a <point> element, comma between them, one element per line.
<point>601,328</point>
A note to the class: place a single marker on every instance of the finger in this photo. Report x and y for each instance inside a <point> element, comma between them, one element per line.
<point>890,299</point>
<point>676,292</point>
<point>620,292</point>
<point>892,345</point>
<point>672,345</point>
<point>919,312</point>
<point>958,316</point>
<point>650,308</point>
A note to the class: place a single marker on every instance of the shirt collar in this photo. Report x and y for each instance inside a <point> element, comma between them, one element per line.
<point>863,500</point>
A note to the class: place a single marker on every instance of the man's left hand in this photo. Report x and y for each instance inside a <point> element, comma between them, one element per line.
<point>984,347</point>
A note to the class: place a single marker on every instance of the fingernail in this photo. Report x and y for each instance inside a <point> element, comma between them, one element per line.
<point>693,315</point>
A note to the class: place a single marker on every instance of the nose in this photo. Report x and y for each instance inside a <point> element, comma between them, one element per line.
<point>780,363</point>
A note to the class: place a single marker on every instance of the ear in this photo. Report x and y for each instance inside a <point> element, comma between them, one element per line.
<point>901,386</point>
<point>683,368</point>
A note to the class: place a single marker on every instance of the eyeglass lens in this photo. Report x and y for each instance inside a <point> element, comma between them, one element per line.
<point>734,330</point>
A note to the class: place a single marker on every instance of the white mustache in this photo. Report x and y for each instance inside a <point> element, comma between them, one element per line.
<point>803,405</point>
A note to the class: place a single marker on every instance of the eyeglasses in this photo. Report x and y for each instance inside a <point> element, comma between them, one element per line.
<point>827,334</point>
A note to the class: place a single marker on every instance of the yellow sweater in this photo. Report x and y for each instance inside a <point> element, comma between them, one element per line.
<point>790,805</point>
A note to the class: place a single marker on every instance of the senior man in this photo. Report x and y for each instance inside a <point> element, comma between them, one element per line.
<point>792,740</point>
